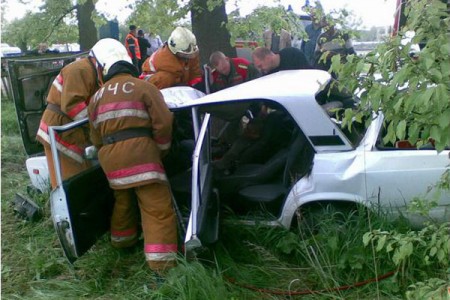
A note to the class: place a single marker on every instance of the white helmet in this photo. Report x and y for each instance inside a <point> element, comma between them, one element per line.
<point>183,42</point>
<point>107,52</point>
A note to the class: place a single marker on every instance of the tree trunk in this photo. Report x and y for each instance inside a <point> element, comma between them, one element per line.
<point>86,26</point>
<point>210,29</point>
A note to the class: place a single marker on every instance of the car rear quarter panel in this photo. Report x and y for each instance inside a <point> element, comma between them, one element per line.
<point>337,176</point>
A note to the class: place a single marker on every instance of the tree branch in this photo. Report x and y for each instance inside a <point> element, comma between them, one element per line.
<point>59,20</point>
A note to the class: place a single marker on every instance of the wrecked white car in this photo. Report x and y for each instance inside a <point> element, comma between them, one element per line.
<point>288,153</point>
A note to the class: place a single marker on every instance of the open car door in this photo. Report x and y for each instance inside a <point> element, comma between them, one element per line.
<point>82,205</point>
<point>203,224</point>
<point>30,80</point>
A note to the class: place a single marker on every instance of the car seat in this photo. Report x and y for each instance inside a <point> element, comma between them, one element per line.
<point>271,195</point>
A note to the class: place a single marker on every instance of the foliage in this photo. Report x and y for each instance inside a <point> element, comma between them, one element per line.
<point>412,90</point>
<point>427,248</point>
<point>158,16</point>
<point>53,24</point>
<point>252,26</point>
<point>431,289</point>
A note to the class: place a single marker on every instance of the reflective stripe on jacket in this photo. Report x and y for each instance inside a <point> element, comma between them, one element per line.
<point>167,70</point>
<point>135,44</point>
<point>122,103</point>
<point>70,94</point>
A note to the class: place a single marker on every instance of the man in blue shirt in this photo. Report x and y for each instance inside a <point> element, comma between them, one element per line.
<point>313,30</point>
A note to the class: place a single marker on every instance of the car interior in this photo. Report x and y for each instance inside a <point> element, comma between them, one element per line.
<point>264,150</point>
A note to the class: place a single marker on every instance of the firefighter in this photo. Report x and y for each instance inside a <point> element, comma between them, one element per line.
<point>176,63</point>
<point>132,45</point>
<point>230,71</point>
<point>131,126</point>
<point>67,101</point>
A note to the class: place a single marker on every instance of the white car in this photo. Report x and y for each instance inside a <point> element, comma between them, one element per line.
<point>300,158</point>
<point>8,51</point>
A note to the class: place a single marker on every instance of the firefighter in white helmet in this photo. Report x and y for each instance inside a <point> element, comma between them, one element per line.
<point>176,63</point>
<point>67,101</point>
<point>131,126</point>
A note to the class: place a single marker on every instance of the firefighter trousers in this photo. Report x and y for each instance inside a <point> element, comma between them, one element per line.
<point>69,167</point>
<point>158,219</point>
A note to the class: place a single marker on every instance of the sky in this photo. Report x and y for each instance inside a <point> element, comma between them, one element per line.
<point>371,12</point>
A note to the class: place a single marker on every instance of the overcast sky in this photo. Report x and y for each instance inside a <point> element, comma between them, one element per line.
<point>371,12</point>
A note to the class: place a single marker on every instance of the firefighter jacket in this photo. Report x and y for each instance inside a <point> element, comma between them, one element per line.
<point>67,101</point>
<point>132,45</point>
<point>167,70</point>
<point>125,103</point>
<point>241,70</point>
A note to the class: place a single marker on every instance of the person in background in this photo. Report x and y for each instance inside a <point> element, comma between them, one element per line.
<point>276,38</point>
<point>313,31</point>
<point>268,62</point>
<point>332,42</point>
<point>155,43</point>
<point>228,72</point>
<point>176,63</point>
<point>67,101</point>
<point>131,126</point>
<point>143,46</point>
<point>132,46</point>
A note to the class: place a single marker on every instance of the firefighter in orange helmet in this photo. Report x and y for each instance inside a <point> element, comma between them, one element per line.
<point>176,63</point>
<point>131,126</point>
<point>67,101</point>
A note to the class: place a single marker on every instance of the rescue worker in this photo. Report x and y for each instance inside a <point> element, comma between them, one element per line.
<point>176,63</point>
<point>131,126</point>
<point>132,45</point>
<point>228,72</point>
<point>67,101</point>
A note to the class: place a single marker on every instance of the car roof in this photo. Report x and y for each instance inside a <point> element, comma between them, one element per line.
<point>281,87</point>
<point>295,90</point>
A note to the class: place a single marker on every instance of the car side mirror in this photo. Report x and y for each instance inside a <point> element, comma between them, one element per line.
<point>90,153</point>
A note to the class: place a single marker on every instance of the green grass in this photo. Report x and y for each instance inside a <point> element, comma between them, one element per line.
<point>247,263</point>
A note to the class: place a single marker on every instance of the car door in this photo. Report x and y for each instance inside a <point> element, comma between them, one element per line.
<point>203,223</point>
<point>30,81</point>
<point>81,205</point>
<point>396,175</point>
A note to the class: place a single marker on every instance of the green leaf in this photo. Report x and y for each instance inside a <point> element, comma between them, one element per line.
<point>435,133</point>
<point>433,251</point>
<point>401,129</point>
<point>390,247</point>
<point>440,255</point>
<point>366,238</point>
<point>444,118</point>
<point>424,98</point>
<point>381,242</point>
<point>435,74</point>
<point>396,257</point>
<point>428,61</point>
